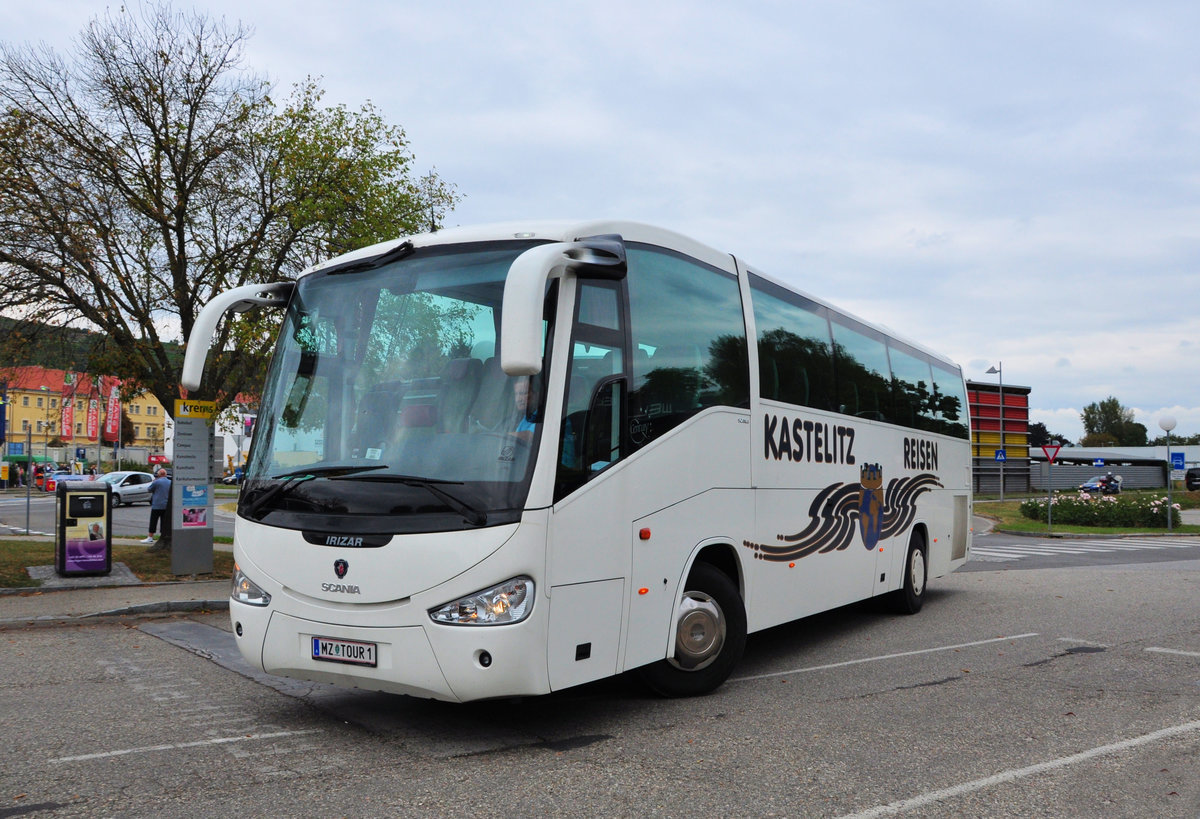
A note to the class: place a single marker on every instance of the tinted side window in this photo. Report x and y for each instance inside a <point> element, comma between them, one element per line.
<point>689,341</point>
<point>795,351</point>
<point>912,389</point>
<point>950,401</point>
<point>862,369</point>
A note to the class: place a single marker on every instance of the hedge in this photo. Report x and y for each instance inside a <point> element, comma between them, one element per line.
<point>1082,509</point>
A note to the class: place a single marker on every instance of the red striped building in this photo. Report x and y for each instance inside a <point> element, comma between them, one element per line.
<point>999,421</point>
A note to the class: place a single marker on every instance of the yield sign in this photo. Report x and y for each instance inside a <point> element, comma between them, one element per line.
<point>1051,452</point>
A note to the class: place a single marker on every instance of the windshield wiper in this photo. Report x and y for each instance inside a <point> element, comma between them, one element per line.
<point>288,483</point>
<point>290,480</point>
<point>329,471</point>
<point>471,513</point>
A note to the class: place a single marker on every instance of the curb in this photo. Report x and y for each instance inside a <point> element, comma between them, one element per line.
<point>144,609</point>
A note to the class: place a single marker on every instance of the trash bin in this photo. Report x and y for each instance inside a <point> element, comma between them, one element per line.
<point>83,541</point>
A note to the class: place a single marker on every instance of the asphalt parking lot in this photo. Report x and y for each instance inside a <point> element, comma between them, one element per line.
<point>1055,692</point>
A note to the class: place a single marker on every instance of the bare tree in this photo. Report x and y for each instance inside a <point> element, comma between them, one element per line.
<point>152,169</point>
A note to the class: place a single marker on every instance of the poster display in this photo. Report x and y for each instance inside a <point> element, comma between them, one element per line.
<point>191,487</point>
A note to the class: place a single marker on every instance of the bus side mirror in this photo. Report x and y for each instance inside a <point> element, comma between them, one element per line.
<point>596,257</point>
<point>239,299</point>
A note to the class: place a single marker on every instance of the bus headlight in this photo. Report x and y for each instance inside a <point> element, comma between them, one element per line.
<point>246,590</point>
<point>509,602</point>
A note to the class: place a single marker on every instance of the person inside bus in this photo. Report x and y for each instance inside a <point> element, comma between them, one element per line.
<point>525,401</point>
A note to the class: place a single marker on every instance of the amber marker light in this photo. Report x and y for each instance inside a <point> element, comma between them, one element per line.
<point>643,590</point>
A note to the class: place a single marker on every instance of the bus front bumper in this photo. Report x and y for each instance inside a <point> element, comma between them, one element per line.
<point>455,664</point>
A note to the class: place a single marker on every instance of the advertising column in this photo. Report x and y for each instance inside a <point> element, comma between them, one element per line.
<point>191,488</point>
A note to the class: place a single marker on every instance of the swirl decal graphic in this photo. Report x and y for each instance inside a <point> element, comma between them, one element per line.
<point>840,509</point>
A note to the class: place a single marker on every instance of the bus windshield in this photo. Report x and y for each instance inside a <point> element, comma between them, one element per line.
<point>385,409</point>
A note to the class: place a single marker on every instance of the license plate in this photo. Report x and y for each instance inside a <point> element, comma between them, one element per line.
<point>345,651</point>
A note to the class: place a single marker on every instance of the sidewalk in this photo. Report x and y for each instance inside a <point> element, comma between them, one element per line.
<point>120,593</point>
<point>27,607</point>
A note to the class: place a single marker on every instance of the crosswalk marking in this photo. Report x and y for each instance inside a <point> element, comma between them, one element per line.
<point>1016,551</point>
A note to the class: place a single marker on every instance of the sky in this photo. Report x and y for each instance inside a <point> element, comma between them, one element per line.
<point>1013,184</point>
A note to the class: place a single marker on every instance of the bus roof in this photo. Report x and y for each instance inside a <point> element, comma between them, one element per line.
<point>548,230</point>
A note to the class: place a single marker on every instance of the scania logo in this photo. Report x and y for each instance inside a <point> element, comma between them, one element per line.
<point>340,567</point>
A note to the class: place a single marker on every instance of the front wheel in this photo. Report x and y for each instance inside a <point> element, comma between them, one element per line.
<point>710,635</point>
<point>909,599</point>
<point>116,500</point>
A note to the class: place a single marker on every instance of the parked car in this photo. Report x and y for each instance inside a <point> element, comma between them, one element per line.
<point>50,479</point>
<point>1191,479</point>
<point>129,487</point>
<point>53,480</point>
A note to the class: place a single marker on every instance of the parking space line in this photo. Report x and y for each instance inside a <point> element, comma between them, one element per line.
<point>175,746</point>
<point>1174,651</point>
<point>1004,777</point>
<point>882,657</point>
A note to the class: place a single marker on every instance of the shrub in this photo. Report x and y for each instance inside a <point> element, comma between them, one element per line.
<point>1082,509</point>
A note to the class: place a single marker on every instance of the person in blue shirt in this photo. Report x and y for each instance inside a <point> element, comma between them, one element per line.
<point>525,398</point>
<point>160,493</point>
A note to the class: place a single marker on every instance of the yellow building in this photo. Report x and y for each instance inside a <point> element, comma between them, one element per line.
<point>57,408</point>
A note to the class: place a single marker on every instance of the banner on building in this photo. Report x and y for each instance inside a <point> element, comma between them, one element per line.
<point>93,418</point>
<point>67,416</point>
<point>112,420</point>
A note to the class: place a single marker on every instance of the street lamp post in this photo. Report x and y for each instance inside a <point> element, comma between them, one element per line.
<point>1167,422</point>
<point>999,370</point>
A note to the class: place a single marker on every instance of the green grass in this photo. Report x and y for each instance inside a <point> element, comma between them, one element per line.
<point>150,567</point>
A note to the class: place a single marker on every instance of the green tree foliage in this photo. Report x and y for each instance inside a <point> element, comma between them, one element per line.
<point>1177,440</point>
<point>1039,435</point>
<point>149,170</point>
<point>1108,423</point>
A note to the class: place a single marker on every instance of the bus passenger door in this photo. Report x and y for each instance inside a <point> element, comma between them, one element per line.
<point>588,566</point>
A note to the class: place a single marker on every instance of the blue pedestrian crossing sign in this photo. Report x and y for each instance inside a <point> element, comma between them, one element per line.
<point>1001,455</point>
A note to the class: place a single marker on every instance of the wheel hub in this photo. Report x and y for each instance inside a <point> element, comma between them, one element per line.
<point>699,631</point>
<point>918,572</point>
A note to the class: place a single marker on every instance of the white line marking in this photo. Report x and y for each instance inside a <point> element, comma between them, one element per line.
<point>882,657</point>
<point>995,553</point>
<point>1053,549</point>
<point>1019,773</point>
<point>175,746</point>
<point>1175,651</point>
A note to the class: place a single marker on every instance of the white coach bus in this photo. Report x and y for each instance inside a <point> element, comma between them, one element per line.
<point>512,459</point>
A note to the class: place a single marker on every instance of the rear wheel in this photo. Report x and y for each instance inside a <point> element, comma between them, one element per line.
<point>909,599</point>
<point>710,635</point>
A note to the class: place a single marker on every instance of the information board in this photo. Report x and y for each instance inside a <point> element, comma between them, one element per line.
<point>191,488</point>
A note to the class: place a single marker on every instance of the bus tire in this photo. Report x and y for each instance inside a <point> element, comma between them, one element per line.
<point>709,636</point>
<point>908,600</point>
